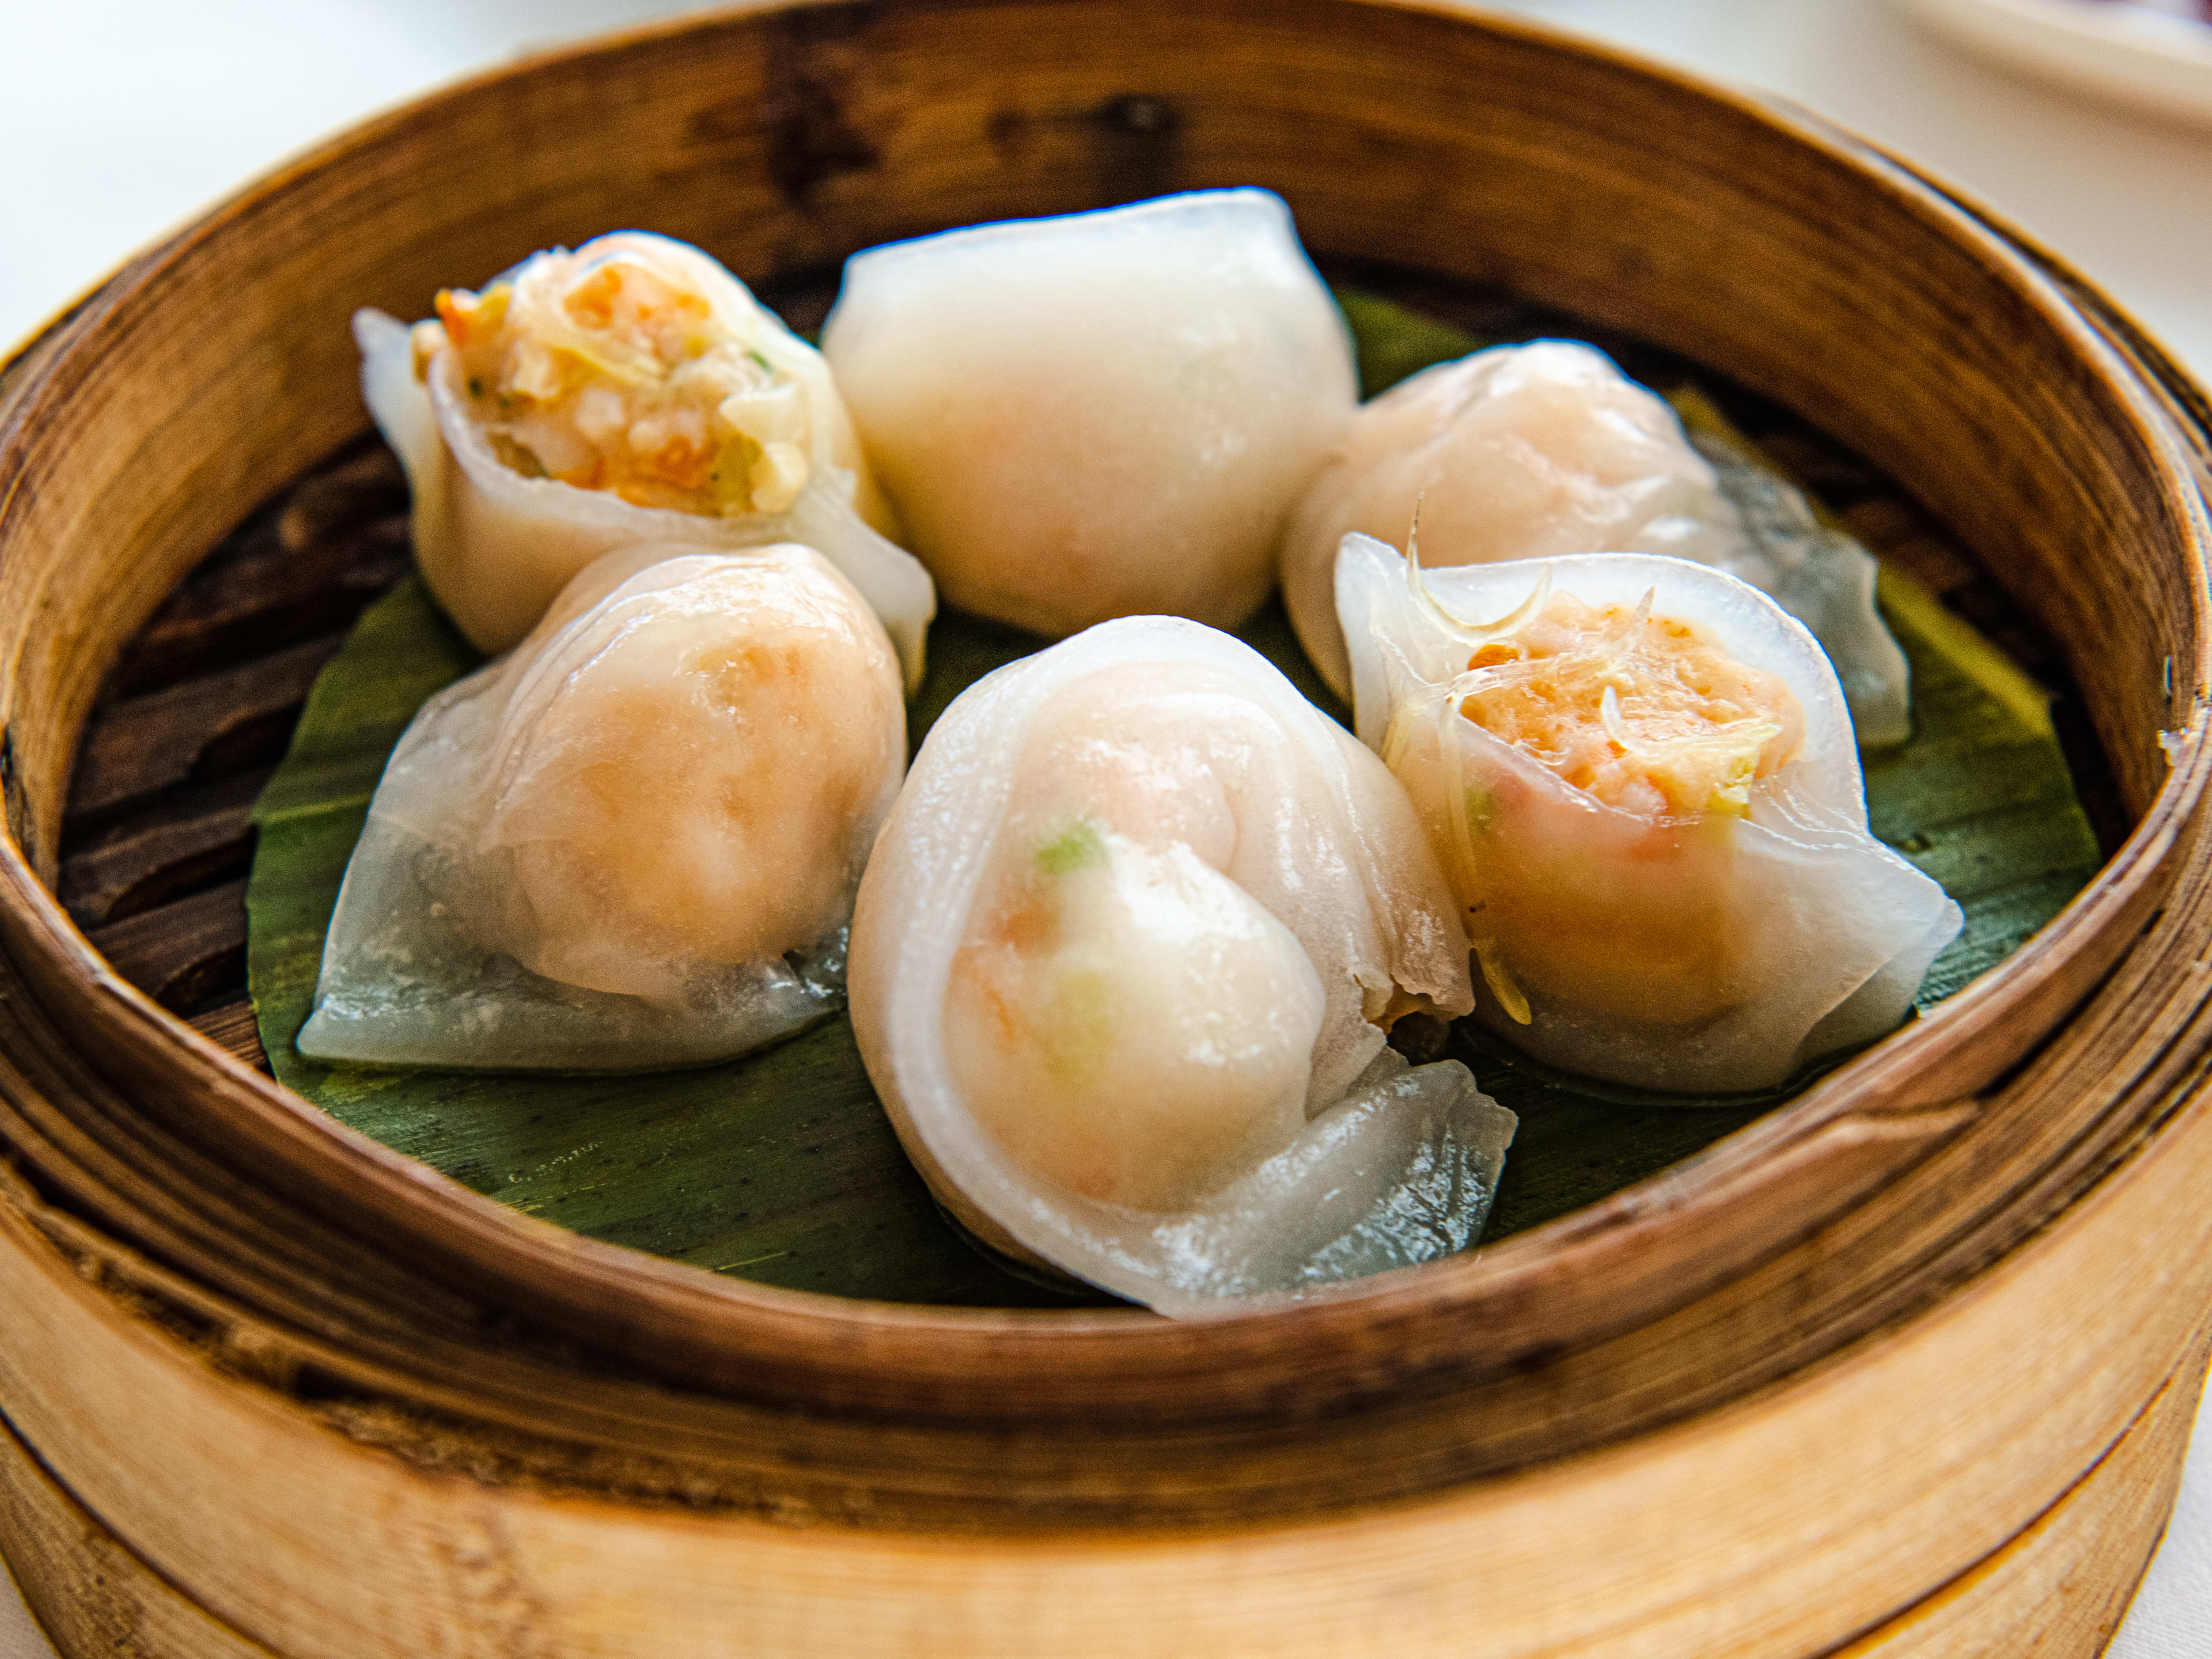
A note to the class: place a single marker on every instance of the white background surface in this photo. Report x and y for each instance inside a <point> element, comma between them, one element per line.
<point>122,118</point>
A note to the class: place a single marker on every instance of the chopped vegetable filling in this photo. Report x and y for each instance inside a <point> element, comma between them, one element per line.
<point>616,373</point>
<point>1647,713</point>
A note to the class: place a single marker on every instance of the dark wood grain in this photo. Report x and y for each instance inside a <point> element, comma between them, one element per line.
<point>211,725</point>
<point>164,851</point>
<point>231,1028</point>
<point>183,953</point>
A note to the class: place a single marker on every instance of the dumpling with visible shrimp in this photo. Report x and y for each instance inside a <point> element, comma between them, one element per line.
<point>630,391</point>
<point>1638,772</point>
<point>1123,965</point>
<point>633,842</point>
<point>1526,451</point>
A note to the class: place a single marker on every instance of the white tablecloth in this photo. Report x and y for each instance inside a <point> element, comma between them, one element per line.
<point>123,118</point>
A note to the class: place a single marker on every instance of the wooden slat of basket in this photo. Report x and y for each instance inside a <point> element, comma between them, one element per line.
<point>233,1028</point>
<point>166,850</point>
<point>158,826</point>
<point>147,746</point>
<point>2060,1590</point>
<point>184,953</point>
<point>277,587</point>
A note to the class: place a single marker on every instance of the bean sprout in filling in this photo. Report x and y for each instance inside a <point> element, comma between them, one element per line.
<point>1647,713</point>
<point>615,372</point>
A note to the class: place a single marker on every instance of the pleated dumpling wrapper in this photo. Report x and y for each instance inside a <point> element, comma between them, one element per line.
<point>1639,776</point>
<point>634,841</point>
<point>1101,415</point>
<point>1122,968</point>
<point>632,390</point>
<point>1528,451</point>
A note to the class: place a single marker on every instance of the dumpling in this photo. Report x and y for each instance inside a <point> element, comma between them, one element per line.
<point>631,390</point>
<point>1639,776</point>
<point>1122,965</point>
<point>1528,451</point>
<point>1101,415</point>
<point>634,841</point>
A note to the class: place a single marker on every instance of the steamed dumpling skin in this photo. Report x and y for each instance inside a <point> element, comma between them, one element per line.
<point>1639,774</point>
<point>685,791</point>
<point>1127,1020</point>
<point>628,392</point>
<point>1140,1032</point>
<point>1123,963</point>
<point>635,841</point>
<point>1102,415</point>
<point>1521,452</point>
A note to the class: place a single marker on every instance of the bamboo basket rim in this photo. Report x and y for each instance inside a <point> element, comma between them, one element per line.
<point>703,1328</point>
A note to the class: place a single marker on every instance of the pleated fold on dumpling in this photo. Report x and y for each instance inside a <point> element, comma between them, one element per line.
<point>1097,415</point>
<point>631,390</point>
<point>633,842</point>
<point>1529,451</point>
<point>1123,963</point>
<point>1639,774</point>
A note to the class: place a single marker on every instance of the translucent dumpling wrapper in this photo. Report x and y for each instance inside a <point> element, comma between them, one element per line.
<point>1531,451</point>
<point>1639,776</point>
<point>1122,965</point>
<point>1100,415</point>
<point>634,841</point>
<point>631,390</point>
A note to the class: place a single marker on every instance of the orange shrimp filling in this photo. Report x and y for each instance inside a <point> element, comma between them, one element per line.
<point>616,376</point>
<point>1647,713</point>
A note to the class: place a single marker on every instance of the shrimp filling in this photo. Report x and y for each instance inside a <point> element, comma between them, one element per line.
<point>1647,713</point>
<point>615,372</point>
<point>699,788</point>
<point>1128,1022</point>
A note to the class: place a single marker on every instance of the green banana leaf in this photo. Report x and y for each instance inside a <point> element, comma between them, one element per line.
<point>781,1168</point>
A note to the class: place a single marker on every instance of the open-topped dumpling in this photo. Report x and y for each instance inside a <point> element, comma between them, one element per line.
<point>1531,451</point>
<point>632,390</point>
<point>633,842</point>
<point>1123,964</point>
<point>1639,774</point>
<point>1100,413</point>
<point>1644,713</point>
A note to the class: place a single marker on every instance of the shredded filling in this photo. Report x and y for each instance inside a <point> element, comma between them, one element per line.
<point>1647,713</point>
<point>616,373</point>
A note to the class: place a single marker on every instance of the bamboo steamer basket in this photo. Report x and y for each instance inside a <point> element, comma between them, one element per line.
<point>1906,1368</point>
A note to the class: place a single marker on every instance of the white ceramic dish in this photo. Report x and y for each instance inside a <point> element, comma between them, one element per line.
<point>2137,54</point>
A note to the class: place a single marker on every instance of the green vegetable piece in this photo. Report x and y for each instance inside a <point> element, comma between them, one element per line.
<point>1078,846</point>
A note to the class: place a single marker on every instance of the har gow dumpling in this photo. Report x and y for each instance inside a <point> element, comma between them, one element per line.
<point>634,841</point>
<point>1100,415</point>
<point>1122,965</point>
<point>1639,774</point>
<point>630,391</point>
<point>1529,451</point>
